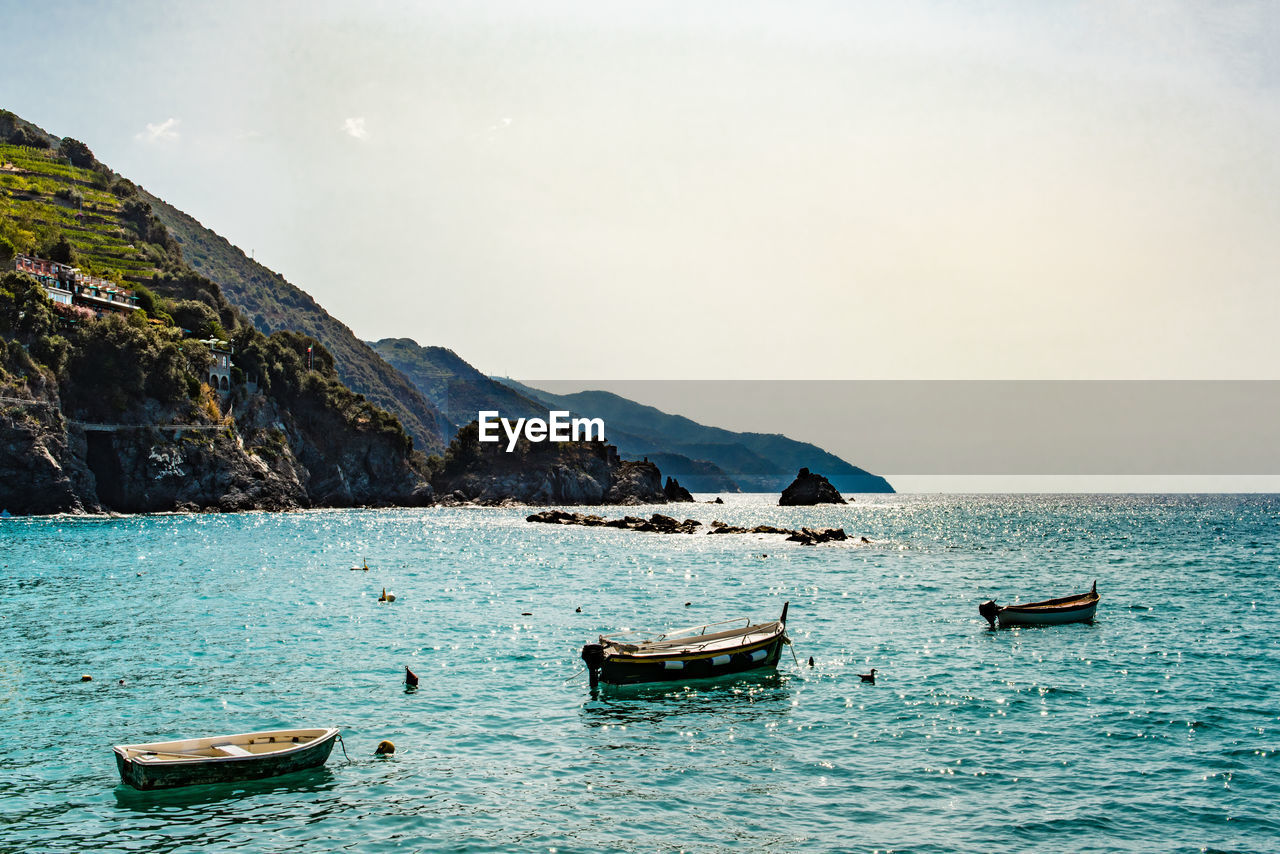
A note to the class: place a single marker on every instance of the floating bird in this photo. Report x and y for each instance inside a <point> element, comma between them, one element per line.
<point>868,677</point>
<point>577,610</point>
<point>386,597</point>
<point>687,604</point>
<point>86,678</point>
<point>410,678</point>
<point>122,683</point>
<point>386,747</point>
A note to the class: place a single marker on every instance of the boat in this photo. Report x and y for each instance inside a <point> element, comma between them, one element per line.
<point>223,758</point>
<point>1050,612</point>
<point>713,649</point>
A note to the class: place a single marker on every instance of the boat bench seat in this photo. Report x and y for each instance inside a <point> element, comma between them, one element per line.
<point>232,750</point>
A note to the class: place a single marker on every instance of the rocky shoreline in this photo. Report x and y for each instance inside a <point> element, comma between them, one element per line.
<point>661,524</point>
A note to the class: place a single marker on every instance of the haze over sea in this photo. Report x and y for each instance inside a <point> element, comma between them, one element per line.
<point>1153,729</point>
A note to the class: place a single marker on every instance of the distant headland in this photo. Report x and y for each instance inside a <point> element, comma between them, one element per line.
<point>148,365</point>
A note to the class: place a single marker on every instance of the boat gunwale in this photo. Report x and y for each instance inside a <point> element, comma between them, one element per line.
<point>145,752</point>
<point>680,647</point>
<point>1066,603</point>
<point>691,655</point>
<point>697,631</point>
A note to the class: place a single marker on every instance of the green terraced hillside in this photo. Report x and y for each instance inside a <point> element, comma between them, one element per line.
<point>110,231</point>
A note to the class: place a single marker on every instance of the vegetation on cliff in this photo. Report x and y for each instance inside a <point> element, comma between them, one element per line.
<point>271,302</point>
<point>65,371</point>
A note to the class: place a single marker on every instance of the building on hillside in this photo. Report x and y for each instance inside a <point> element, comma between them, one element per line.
<point>220,373</point>
<point>51,274</point>
<point>67,285</point>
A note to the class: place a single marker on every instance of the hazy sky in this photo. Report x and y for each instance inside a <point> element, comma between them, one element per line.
<point>594,190</point>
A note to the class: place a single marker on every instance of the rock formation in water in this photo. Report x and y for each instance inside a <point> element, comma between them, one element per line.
<point>544,473</point>
<point>675,492</point>
<point>809,488</point>
<point>660,524</point>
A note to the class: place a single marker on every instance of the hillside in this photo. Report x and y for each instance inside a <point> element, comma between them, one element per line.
<point>759,462</point>
<point>455,387</point>
<point>128,381</point>
<point>46,199</point>
<point>271,302</point>
<point>461,392</point>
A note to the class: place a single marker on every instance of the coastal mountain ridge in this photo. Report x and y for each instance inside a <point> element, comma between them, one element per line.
<point>290,356</point>
<point>758,462</point>
<point>452,385</point>
<point>703,459</point>
<point>461,391</point>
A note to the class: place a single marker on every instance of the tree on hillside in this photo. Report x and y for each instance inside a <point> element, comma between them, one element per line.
<point>60,250</point>
<point>77,152</point>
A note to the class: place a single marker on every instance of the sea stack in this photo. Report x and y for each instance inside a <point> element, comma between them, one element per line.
<point>809,488</point>
<point>675,492</point>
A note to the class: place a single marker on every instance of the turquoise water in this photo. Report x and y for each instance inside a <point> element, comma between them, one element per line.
<point>1154,729</point>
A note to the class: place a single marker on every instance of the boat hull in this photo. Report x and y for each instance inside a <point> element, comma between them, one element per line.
<point>1012,615</point>
<point>222,769</point>
<point>635,670</point>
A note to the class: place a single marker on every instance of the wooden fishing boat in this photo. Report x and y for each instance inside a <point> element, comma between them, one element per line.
<point>223,758</point>
<point>714,649</point>
<point>1050,612</point>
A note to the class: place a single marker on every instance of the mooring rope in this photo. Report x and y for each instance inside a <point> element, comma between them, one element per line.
<point>343,745</point>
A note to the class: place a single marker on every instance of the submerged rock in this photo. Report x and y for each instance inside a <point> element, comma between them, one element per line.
<point>810,536</point>
<point>659,523</point>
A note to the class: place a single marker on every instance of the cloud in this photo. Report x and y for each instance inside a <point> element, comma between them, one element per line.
<point>165,131</point>
<point>354,127</point>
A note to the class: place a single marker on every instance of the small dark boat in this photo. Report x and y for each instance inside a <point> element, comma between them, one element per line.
<point>1051,612</point>
<point>222,758</point>
<point>694,653</point>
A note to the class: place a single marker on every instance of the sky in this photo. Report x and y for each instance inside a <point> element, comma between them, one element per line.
<point>661,190</point>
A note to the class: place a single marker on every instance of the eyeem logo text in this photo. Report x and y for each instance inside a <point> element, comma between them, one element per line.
<point>558,427</point>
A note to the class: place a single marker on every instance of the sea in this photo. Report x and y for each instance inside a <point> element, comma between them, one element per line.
<point>1153,729</point>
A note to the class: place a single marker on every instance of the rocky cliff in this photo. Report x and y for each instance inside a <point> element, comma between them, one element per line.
<point>165,396</point>
<point>266,458</point>
<point>544,473</point>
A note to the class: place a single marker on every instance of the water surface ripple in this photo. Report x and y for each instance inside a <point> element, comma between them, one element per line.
<point>1153,729</point>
